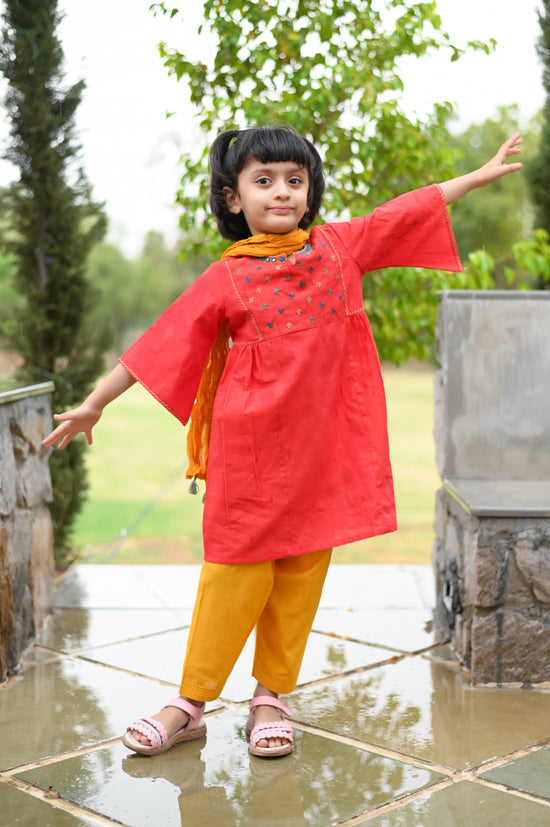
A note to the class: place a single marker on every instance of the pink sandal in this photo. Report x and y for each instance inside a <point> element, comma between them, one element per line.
<point>156,732</point>
<point>276,729</point>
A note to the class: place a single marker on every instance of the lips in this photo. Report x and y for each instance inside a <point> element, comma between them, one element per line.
<point>280,210</point>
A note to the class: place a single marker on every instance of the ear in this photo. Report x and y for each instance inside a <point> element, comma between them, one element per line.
<point>233,201</point>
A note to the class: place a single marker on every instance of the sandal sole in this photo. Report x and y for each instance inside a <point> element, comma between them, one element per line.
<point>179,737</point>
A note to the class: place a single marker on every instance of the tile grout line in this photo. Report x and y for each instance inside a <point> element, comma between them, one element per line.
<point>412,653</point>
<point>506,788</point>
<point>397,803</point>
<point>58,803</point>
<point>60,756</point>
<point>366,746</point>
<point>522,752</point>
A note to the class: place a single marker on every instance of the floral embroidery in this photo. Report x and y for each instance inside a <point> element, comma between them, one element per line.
<point>290,294</point>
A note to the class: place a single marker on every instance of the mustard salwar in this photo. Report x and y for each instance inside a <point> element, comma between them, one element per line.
<point>278,597</point>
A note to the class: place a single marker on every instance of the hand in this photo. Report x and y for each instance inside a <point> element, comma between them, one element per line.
<point>489,172</point>
<point>497,166</point>
<point>80,420</point>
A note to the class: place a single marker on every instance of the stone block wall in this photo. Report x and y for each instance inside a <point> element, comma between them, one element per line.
<point>27,573</point>
<point>493,592</point>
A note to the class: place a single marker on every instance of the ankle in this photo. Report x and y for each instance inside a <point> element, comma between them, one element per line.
<point>192,701</point>
<point>263,690</point>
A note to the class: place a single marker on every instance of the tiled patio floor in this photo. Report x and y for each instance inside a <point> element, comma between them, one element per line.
<point>387,732</point>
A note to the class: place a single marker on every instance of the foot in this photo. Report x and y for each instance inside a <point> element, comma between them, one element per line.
<point>267,715</point>
<point>171,718</point>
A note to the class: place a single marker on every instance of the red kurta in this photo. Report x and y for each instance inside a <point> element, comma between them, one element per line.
<point>298,457</point>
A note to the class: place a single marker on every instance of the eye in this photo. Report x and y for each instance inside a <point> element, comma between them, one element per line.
<point>295,180</point>
<point>263,180</point>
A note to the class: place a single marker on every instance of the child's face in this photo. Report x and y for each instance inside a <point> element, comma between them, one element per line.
<point>272,196</point>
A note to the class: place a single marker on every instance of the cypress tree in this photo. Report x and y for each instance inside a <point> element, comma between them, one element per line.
<point>53,224</point>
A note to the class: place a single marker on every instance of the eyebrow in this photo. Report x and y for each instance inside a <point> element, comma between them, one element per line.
<point>268,169</point>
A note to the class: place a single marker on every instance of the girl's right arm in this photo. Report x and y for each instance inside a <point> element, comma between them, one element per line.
<point>83,418</point>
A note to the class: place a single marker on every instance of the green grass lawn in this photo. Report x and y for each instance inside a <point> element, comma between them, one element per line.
<point>139,509</point>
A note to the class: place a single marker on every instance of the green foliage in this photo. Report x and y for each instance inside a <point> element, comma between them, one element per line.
<point>134,292</point>
<point>12,304</point>
<point>331,68</point>
<point>402,307</point>
<point>530,264</point>
<point>494,217</point>
<point>533,258</point>
<point>53,224</point>
<point>538,170</point>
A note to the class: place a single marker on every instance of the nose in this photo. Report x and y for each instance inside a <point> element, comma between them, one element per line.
<point>282,191</point>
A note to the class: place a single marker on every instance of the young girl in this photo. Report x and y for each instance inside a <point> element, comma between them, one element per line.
<point>296,444</point>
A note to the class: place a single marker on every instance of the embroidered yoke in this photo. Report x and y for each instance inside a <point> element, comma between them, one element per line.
<point>299,456</point>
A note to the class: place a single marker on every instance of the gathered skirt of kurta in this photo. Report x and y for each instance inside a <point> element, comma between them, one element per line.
<point>298,457</point>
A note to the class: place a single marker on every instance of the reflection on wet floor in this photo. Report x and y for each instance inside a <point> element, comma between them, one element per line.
<point>387,732</point>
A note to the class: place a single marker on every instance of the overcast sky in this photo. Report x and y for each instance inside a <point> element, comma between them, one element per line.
<point>131,150</point>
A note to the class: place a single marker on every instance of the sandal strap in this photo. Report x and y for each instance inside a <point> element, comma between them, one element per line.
<point>152,729</point>
<point>194,712</point>
<point>271,730</point>
<point>268,700</point>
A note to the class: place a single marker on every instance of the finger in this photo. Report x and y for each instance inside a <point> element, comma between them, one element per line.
<point>56,435</point>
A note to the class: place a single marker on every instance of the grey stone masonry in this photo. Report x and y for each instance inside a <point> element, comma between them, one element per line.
<point>491,554</point>
<point>27,573</point>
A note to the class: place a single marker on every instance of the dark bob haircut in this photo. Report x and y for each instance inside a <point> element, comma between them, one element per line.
<point>232,150</point>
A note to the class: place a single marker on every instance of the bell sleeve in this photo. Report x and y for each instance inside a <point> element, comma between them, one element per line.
<point>169,358</point>
<point>412,230</point>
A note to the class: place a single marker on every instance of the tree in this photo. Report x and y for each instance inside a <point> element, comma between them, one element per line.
<point>53,224</point>
<point>538,171</point>
<point>134,292</point>
<point>495,217</point>
<point>331,68</point>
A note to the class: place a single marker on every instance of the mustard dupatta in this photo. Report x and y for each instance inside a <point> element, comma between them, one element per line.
<point>200,424</point>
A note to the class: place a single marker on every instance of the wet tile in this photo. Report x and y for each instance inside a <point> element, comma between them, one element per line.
<point>408,630</point>
<point>466,805</point>
<point>530,774</point>
<point>18,808</point>
<point>161,657</point>
<point>378,587</point>
<point>57,707</point>
<point>423,709</point>
<point>72,630</point>
<point>215,781</point>
<point>129,587</point>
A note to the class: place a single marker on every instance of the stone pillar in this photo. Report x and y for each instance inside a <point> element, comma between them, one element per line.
<point>493,592</point>
<point>492,432</point>
<point>27,573</point>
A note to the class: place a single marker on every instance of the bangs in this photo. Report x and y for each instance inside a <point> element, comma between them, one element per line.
<point>268,145</point>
